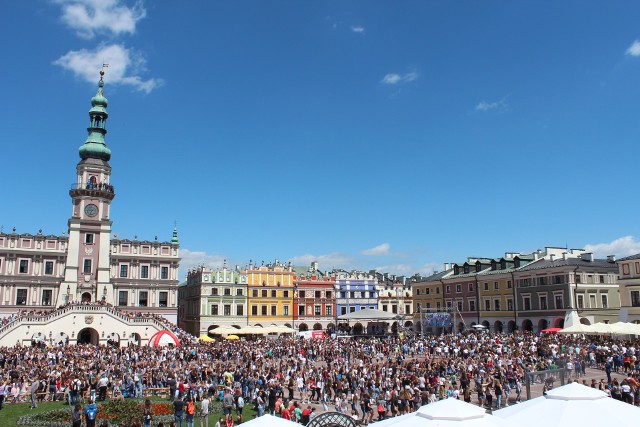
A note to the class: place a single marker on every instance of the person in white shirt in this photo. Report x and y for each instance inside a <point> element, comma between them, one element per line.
<point>204,412</point>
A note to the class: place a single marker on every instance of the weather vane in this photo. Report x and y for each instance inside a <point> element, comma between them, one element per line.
<point>102,71</point>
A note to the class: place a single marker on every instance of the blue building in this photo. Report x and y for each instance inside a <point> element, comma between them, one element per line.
<point>354,291</point>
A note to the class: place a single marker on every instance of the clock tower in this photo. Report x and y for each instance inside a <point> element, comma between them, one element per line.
<point>87,274</point>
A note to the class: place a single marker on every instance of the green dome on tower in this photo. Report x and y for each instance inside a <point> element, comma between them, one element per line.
<point>95,146</point>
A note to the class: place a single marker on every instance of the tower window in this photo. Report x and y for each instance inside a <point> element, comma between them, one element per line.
<point>88,238</point>
<point>164,273</point>
<point>124,270</point>
<point>144,272</point>
<point>24,266</point>
<point>48,267</point>
<point>87,266</point>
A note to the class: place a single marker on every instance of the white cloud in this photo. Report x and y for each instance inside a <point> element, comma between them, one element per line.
<point>379,250</point>
<point>325,262</point>
<point>501,106</point>
<point>193,259</point>
<point>357,29</point>
<point>634,49</point>
<point>394,78</point>
<point>124,66</point>
<point>624,246</point>
<point>89,17</point>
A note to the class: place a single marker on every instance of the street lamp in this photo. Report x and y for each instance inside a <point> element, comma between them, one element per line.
<point>68,294</point>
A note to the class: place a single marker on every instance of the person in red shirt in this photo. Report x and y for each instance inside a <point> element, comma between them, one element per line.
<point>286,413</point>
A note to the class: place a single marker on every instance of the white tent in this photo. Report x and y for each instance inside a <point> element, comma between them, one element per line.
<point>269,421</point>
<point>447,413</point>
<point>368,314</point>
<point>577,328</point>
<point>625,328</point>
<point>571,405</point>
<point>571,318</point>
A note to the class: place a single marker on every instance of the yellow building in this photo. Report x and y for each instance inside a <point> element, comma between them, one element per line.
<point>428,297</point>
<point>270,299</point>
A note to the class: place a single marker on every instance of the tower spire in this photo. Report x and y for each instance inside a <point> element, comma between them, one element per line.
<point>174,239</point>
<point>95,146</point>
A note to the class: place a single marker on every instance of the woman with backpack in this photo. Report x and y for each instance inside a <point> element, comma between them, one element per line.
<point>90,414</point>
<point>190,411</point>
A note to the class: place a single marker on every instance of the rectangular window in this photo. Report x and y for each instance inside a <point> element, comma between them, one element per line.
<point>543,303</point>
<point>496,304</point>
<point>580,299</point>
<point>470,287</point>
<point>123,298</point>
<point>625,270</point>
<point>496,286</point>
<point>527,303</point>
<point>579,278</point>
<point>264,293</point>
<point>352,309</point>
<point>227,309</point>
<point>263,310</point>
<point>300,294</point>
<point>21,297</point>
<point>559,302</point>
<point>240,310</point>
<point>274,310</point>
<point>343,310</point>
<point>48,267</point>
<point>285,310</point>
<point>407,309</point>
<point>273,294</point>
<point>328,294</point>
<point>448,289</point>
<point>214,310</point>
<point>254,293</point>
<point>426,291</point>
<point>459,305</point>
<point>509,285</point>
<point>214,291</point>
<point>486,286</point>
<point>124,270</point>
<point>510,305</point>
<point>227,292</point>
<point>239,292</point>
<point>487,305</point>
<point>142,298</point>
<point>437,305</point>
<point>394,309</point>
<point>635,298</point>
<point>301,310</point>
<point>164,273</point>
<point>163,298</point>
<point>47,297</point>
<point>24,266</point>
<point>328,310</point>
<point>86,269</point>
<point>601,279</point>
<point>458,288</point>
<point>254,310</point>
<point>605,300</point>
<point>88,238</point>
<point>285,294</point>
<point>592,301</point>
<point>385,307</point>
<point>472,305</point>
<point>144,272</point>
<point>317,294</point>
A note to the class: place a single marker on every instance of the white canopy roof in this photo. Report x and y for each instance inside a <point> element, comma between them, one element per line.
<point>571,405</point>
<point>447,413</point>
<point>368,314</point>
<point>269,421</point>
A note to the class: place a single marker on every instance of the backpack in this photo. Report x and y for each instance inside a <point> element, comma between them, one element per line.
<point>91,413</point>
<point>240,402</point>
<point>75,385</point>
<point>191,408</point>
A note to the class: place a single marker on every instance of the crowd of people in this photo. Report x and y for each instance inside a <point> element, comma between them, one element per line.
<point>368,378</point>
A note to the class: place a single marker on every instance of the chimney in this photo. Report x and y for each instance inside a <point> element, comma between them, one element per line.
<point>552,257</point>
<point>564,256</point>
<point>446,266</point>
<point>611,258</point>
<point>587,256</point>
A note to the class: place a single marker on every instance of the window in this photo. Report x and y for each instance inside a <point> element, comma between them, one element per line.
<point>317,294</point>
<point>254,310</point>
<point>300,294</point>
<point>328,294</point>
<point>580,299</point>
<point>496,286</point>
<point>605,300</point>
<point>458,288</point>
<point>301,310</point>
<point>385,307</point>
<point>214,310</point>
<point>48,267</point>
<point>448,305</point>
<point>285,294</point>
<point>637,267</point>
<point>407,309</point>
<point>88,238</point>
<point>486,286</point>
<point>24,266</point>
<point>418,291</point>
<point>428,306</point>
<point>559,302</point>
<point>317,310</point>
<point>273,294</point>
<point>240,310</point>
<point>448,289</point>
<point>496,304</point>
<point>163,298</point>
<point>123,297</point>
<point>47,297</point>
<point>328,310</point>
<point>124,270</point>
<point>438,290</point>
<point>263,310</point>
<point>343,310</point>
<point>144,272</point>
<point>487,305</point>
<point>470,287</point>
<point>227,309</point>
<point>285,310</point>
<point>254,293</point>
<point>459,305</point>
<point>142,298</point>
<point>579,279</point>
<point>601,278</point>
<point>510,304</point>
<point>542,280</point>
<point>274,309</point>
<point>527,303</point>
<point>86,269</point>
<point>164,273</point>
<point>227,292</point>
<point>426,291</point>
<point>592,301</point>
<point>239,292</point>
<point>394,309</point>
<point>352,309</point>
<point>543,303</point>
<point>264,293</point>
<point>214,291</point>
<point>472,305</point>
<point>437,305</point>
<point>509,285</point>
<point>635,298</point>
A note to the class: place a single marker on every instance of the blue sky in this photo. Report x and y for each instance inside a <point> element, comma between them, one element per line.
<point>362,134</point>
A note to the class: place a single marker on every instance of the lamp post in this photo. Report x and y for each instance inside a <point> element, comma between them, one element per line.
<point>68,294</point>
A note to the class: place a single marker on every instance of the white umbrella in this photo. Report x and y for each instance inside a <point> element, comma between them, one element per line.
<point>572,405</point>
<point>447,413</point>
<point>269,421</point>
<point>577,328</point>
<point>625,328</point>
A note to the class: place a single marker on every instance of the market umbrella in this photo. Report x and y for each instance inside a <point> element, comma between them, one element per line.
<point>206,338</point>
<point>223,330</point>
<point>447,413</point>
<point>551,330</point>
<point>571,405</point>
<point>232,337</point>
<point>577,328</point>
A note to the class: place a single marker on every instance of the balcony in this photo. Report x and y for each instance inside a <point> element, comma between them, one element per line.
<point>94,189</point>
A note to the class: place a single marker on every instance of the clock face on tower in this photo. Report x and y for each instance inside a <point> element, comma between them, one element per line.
<point>91,210</point>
